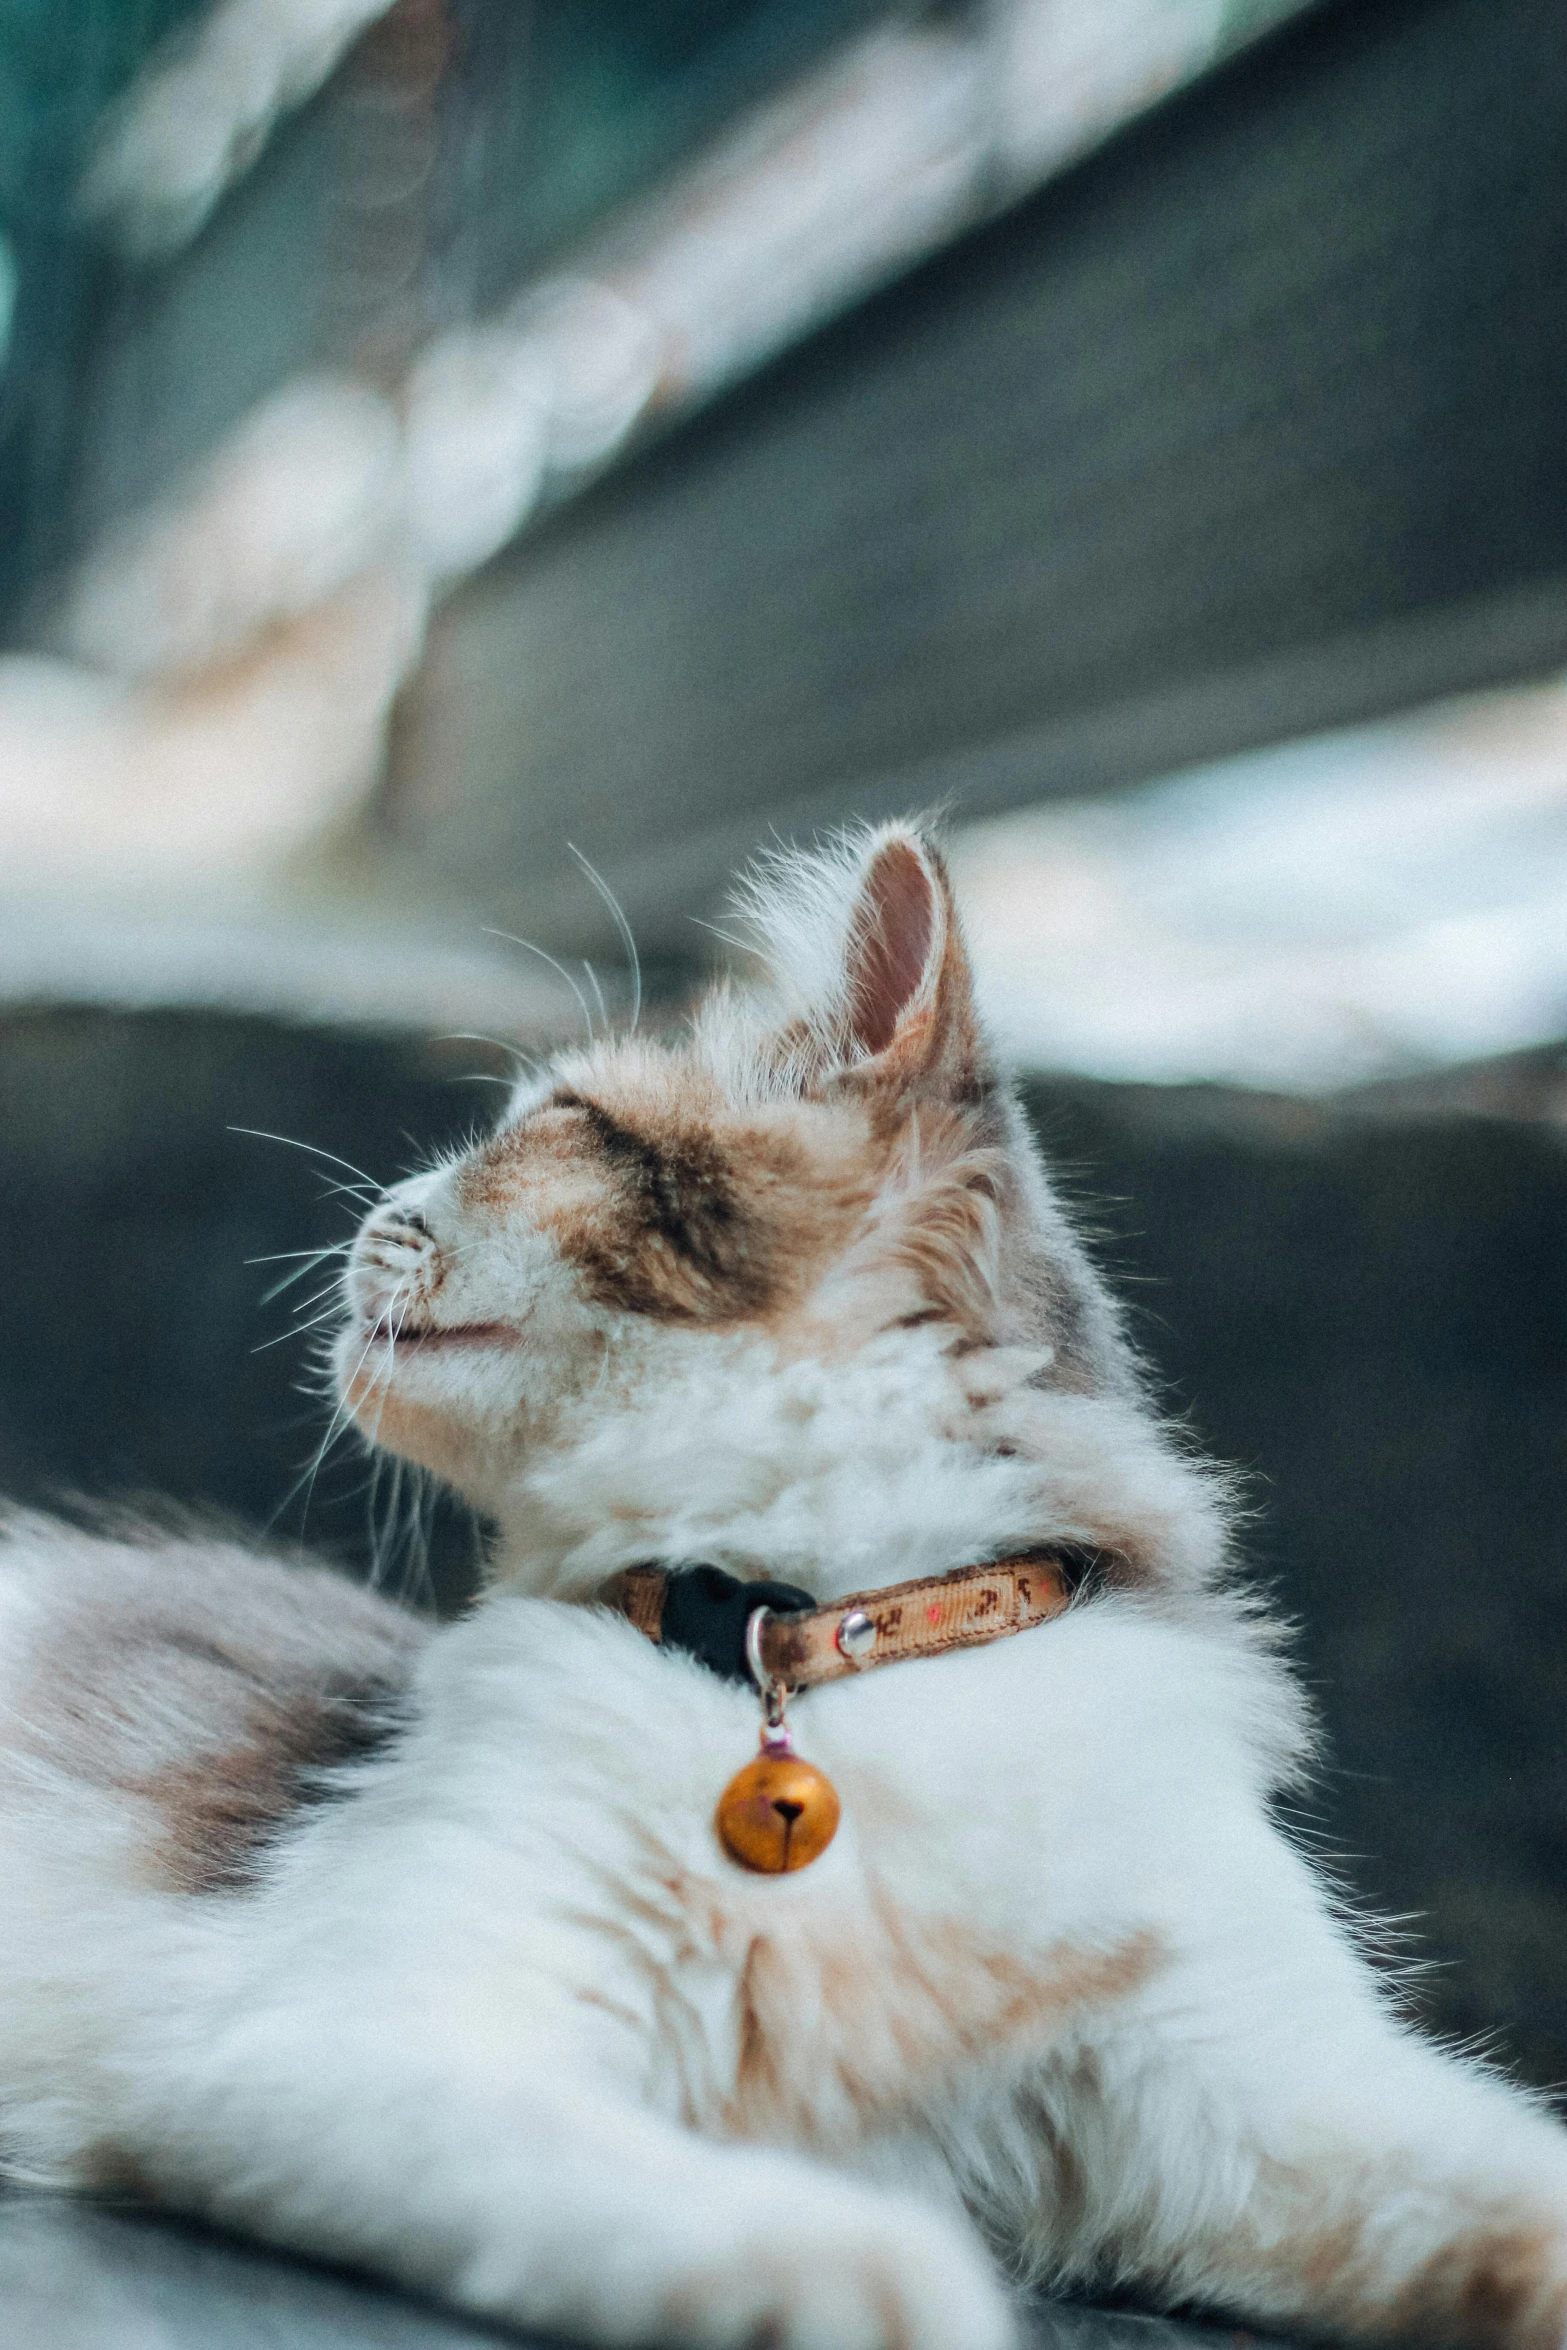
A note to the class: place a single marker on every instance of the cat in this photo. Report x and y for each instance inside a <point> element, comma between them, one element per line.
<point>418,1948</point>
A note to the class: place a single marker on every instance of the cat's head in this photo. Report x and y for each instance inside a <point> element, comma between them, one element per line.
<point>688,1293</point>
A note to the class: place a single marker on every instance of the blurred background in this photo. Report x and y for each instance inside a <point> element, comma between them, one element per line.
<point>441,436</point>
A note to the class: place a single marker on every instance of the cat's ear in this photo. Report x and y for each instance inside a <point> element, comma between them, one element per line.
<point>908,998</point>
<point>870,982</point>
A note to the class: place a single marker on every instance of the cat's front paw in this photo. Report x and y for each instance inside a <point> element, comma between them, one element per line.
<point>839,2271</point>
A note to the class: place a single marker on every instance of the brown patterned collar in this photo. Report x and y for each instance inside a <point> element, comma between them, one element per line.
<point>776,1635</point>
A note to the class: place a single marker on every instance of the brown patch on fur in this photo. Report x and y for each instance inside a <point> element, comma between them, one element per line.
<point>1494,2289</point>
<point>221,1808</point>
<point>108,2170</point>
<point>685,1240</point>
<point>1330,2265</point>
<point>210,1689</point>
<point>832,2045</point>
<point>669,1204</point>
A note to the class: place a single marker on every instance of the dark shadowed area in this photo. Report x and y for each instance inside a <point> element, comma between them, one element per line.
<point>74,2277</point>
<point>140,1358</point>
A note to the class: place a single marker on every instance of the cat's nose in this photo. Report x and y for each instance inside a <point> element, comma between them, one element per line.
<point>395,1260</point>
<point>395,1230</point>
<point>397,1219</point>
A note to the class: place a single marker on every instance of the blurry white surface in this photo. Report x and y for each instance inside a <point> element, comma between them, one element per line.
<point>301,497</point>
<point>1305,918</point>
<point>1067,74</point>
<point>477,406</point>
<point>202,111</point>
<point>198,840</point>
<point>247,701</point>
<point>557,382</point>
<point>282,963</point>
<point>1357,906</point>
<point>600,355</point>
<point>819,196</point>
<point>205,781</point>
<point>871,160</point>
<point>330,481</point>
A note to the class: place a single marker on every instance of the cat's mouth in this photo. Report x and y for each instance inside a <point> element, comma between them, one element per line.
<point>400,1335</point>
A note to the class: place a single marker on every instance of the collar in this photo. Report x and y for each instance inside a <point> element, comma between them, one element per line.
<point>775,1634</point>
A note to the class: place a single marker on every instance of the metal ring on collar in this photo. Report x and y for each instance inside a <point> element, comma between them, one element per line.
<point>755,1625</point>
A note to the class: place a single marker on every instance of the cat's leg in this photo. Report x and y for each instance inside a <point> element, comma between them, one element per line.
<point>530,2188</point>
<point>1261,2133</point>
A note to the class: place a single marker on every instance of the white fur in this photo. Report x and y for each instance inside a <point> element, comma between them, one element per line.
<point>491,2024</point>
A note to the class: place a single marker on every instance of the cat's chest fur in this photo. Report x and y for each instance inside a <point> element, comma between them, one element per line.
<point>560,1780</point>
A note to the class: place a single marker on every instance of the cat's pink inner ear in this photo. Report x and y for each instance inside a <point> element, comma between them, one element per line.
<point>895,930</point>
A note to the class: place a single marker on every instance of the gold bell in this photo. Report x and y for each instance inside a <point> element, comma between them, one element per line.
<point>779,1813</point>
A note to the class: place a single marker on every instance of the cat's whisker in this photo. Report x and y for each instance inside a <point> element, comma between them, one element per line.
<point>513,1052</point>
<point>333,1289</point>
<point>292,1142</point>
<point>389,1336</point>
<point>400,1549</point>
<point>295,1330</point>
<point>598,993</point>
<point>303,1305</point>
<point>617,914</point>
<point>331,1302</point>
<point>283,1256</point>
<point>740,945</point>
<point>528,947</point>
<point>372,1488</point>
<point>372,1435</point>
<point>335,1427</point>
<point>300,1273</point>
<point>408,1534</point>
<point>341,1190</point>
<point>305,1481</point>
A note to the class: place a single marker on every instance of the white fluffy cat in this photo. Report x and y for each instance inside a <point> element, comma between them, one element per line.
<point>494,2012</point>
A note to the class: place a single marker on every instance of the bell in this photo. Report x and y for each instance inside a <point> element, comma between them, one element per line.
<point>778,1814</point>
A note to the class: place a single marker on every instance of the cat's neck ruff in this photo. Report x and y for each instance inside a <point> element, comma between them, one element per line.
<point>905,1462</point>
